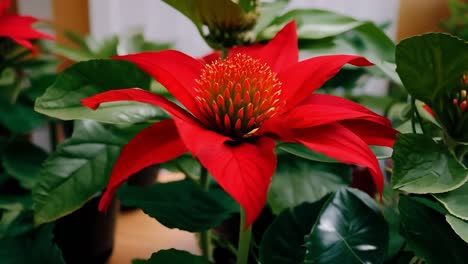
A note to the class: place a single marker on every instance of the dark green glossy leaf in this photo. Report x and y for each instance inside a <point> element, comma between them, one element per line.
<point>77,171</point>
<point>181,204</point>
<point>431,64</point>
<point>420,165</point>
<point>456,201</point>
<point>429,235</point>
<point>19,118</point>
<point>299,180</point>
<point>84,79</point>
<point>344,227</point>
<point>35,247</point>
<point>22,160</point>
<point>172,256</point>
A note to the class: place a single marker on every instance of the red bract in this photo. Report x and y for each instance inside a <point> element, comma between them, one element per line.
<point>238,107</point>
<point>19,28</point>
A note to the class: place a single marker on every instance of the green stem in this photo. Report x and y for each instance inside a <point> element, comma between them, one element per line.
<point>244,240</point>
<point>205,236</point>
<point>224,53</point>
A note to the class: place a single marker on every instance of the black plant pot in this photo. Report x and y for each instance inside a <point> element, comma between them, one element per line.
<point>87,235</point>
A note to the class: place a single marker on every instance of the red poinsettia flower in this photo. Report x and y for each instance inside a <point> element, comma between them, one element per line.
<point>19,28</point>
<point>235,110</point>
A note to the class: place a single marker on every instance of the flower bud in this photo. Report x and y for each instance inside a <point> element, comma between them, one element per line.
<point>227,23</point>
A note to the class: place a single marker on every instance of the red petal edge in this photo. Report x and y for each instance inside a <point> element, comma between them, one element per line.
<point>153,145</point>
<point>338,142</point>
<point>243,170</point>
<point>137,95</point>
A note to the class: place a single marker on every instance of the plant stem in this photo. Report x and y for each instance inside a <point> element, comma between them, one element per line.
<point>224,53</point>
<point>244,240</point>
<point>205,236</point>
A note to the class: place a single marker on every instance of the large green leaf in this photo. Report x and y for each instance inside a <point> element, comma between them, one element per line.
<point>181,204</point>
<point>77,171</point>
<point>344,227</point>
<point>35,247</point>
<point>456,201</point>
<point>84,79</point>
<point>172,256</point>
<point>299,180</point>
<point>431,64</point>
<point>22,160</point>
<point>429,235</point>
<point>420,165</point>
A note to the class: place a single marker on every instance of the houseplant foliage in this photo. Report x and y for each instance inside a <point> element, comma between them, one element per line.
<point>248,115</point>
<point>430,165</point>
<point>24,74</point>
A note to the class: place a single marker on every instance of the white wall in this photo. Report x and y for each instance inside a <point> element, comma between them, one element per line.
<point>162,23</point>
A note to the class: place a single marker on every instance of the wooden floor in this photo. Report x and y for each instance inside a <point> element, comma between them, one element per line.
<point>138,235</point>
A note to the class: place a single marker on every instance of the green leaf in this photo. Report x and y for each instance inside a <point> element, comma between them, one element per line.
<point>15,215</point>
<point>268,12</point>
<point>77,171</point>
<point>299,180</point>
<point>84,79</point>
<point>344,227</point>
<point>22,160</point>
<point>431,64</point>
<point>428,234</point>
<point>9,86</point>
<point>305,153</point>
<point>35,247</point>
<point>459,226</point>
<point>421,166</point>
<point>19,118</point>
<point>172,256</point>
<point>456,201</point>
<point>72,53</point>
<point>181,204</point>
<point>313,24</point>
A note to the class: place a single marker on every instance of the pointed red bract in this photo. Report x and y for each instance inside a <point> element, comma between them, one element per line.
<point>153,145</point>
<point>338,142</point>
<point>282,51</point>
<point>243,160</point>
<point>243,170</point>
<point>20,30</point>
<point>174,70</point>
<point>303,78</point>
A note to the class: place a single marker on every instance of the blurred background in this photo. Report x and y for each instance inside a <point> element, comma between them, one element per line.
<point>101,18</point>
